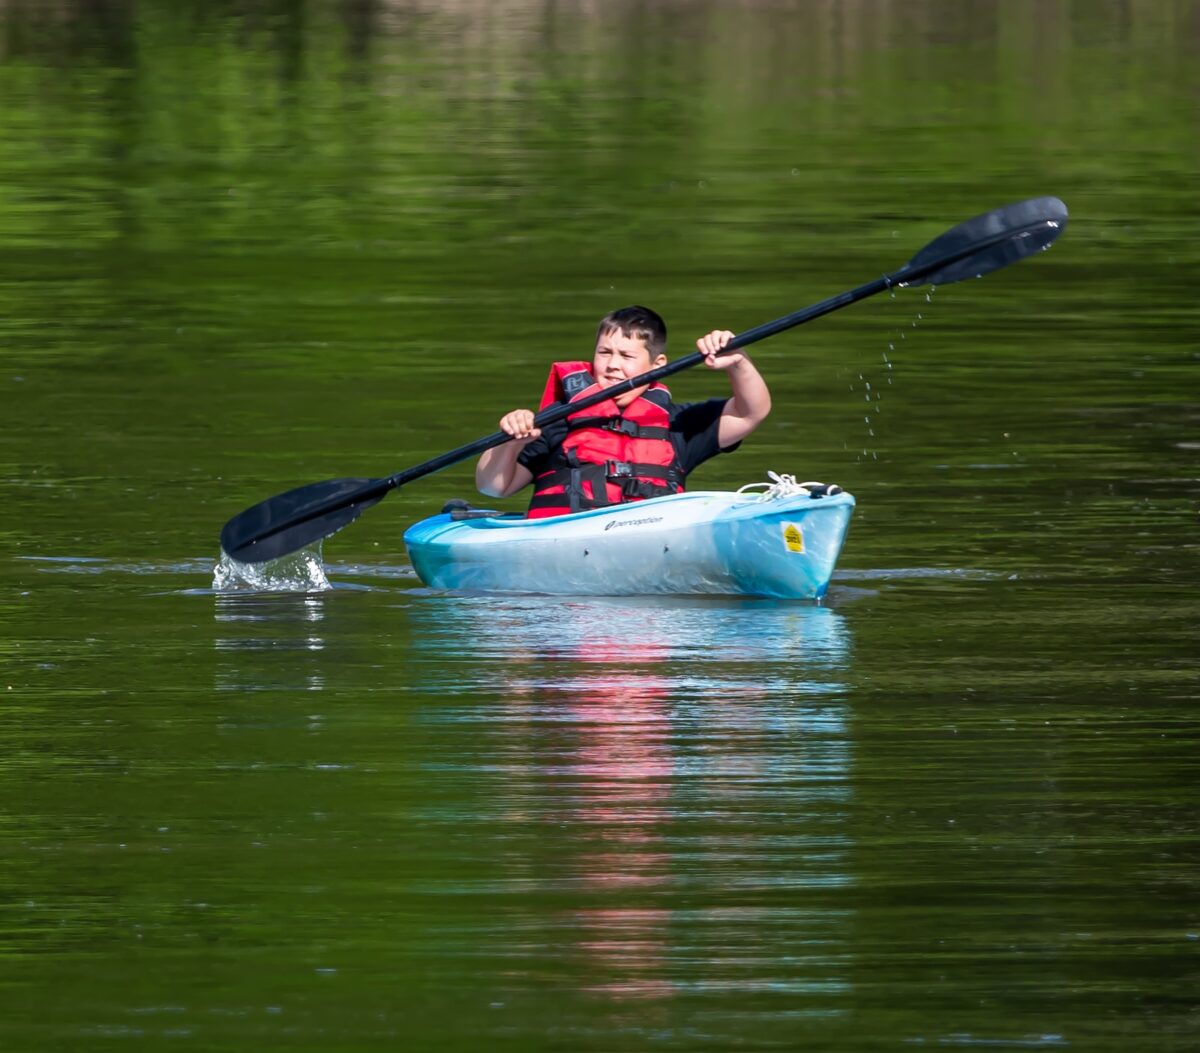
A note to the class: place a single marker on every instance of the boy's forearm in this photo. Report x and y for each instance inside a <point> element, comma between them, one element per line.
<point>496,469</point>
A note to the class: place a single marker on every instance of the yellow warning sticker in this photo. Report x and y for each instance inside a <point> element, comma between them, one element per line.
<point>793,537</point>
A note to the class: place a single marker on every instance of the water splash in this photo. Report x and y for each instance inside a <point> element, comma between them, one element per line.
<point>301,571</point>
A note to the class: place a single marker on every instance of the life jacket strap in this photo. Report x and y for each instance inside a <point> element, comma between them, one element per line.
<point>621,425</point>
<point>642,489</point>
<point>635,481</point>
<point>573,495</point>
<point>610,471</point>
<point>619,471</point>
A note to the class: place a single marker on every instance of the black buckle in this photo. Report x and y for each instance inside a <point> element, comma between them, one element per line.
<point>624,426</point>
<point>618,470</point>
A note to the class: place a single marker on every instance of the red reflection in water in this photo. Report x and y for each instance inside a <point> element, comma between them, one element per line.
<point>612,779</point>
<point>622,770</point>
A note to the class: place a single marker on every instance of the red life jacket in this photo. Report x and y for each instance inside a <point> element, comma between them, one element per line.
<point>610,455</point>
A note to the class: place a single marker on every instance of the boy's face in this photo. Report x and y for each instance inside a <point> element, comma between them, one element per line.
<point>619,357</point>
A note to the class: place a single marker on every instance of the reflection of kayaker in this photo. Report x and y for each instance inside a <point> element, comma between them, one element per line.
<point>623,769</point>
<point>601,774</point>
<point>635,446</point>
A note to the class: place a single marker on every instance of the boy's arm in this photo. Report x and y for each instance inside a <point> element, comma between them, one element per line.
<point>751,401</point>
<point>498,473</point>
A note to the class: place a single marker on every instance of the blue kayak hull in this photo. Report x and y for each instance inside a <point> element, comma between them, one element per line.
<point>706,542</point>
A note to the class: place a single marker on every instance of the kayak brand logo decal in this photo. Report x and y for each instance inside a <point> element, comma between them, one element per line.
<point>644,521</point>
<point>793,537</point>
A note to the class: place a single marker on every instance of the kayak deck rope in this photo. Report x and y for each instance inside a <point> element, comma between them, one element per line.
<point>786,486</point>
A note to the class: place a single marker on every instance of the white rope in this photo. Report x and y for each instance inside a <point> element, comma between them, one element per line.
<point>779,486</point>
<point>786,486</point>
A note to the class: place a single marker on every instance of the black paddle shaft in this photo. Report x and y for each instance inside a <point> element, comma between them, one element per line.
<point>289,521</point>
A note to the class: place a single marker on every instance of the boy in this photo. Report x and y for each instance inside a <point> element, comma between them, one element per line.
<point>635,446</point>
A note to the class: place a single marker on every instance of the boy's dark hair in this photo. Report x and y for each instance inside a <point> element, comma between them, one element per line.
<point>638,322</point>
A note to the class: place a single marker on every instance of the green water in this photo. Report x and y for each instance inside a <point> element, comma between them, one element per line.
<point>246,246</point>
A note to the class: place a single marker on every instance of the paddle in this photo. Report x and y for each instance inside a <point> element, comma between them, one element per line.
<point>289,521</point>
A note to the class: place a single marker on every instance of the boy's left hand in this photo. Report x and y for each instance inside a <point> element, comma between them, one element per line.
<point>710,343</point>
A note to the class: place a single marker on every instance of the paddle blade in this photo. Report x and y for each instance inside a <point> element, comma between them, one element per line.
<point>986,243</point>
<point>287,522</point>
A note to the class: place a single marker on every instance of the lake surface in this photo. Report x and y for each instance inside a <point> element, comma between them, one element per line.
<point>247,246</point>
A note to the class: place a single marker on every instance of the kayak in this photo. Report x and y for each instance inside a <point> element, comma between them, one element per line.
<point>781,543</point>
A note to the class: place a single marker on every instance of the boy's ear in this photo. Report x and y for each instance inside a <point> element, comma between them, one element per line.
<point>659,360</point>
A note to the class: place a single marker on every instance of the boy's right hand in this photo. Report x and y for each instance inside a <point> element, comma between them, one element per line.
<point>519,425</point>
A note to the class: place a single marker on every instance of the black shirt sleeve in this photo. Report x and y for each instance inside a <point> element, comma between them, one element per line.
<point>694,431</point>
